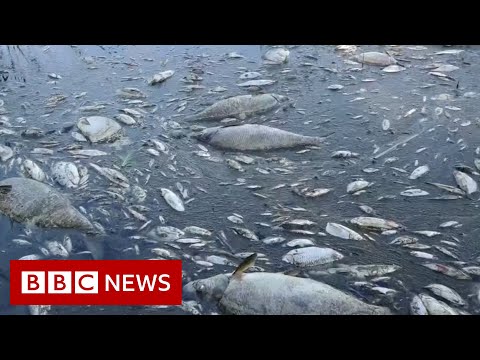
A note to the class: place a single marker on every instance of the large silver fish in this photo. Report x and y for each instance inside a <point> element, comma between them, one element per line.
<point>33,202</point>
<point>254,137</point>
<point>262,293</point>
<point>239,107</point>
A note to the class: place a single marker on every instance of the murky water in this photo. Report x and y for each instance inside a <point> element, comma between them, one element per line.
<point>354,113</point>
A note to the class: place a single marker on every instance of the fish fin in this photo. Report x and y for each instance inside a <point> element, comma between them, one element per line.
<point>244,265</point>
<point>5,189</point>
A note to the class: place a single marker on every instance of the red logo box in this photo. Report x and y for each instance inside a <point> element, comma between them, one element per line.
<point>96,282</point>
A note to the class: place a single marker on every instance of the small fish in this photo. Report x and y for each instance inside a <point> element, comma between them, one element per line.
<point>246,233</point>
<point>465,182</point>
<point>172,199</point>
<point>446,293</point>
<point>342,232</point>
<point>448,270</point>
<point>448,224</point>
<point>427,233</point>
<point>423,255</point>
<point>417,307</point>
<point>311,256</point>
<point>402,240</point>
<point>344,154</point>
<point>273,240</point>
<point>357,186</point>
<point>414,192</point>
<point>419,171</point>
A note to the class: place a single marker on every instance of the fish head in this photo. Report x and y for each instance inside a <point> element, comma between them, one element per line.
<point>211,288</point>
<point>205,135</point>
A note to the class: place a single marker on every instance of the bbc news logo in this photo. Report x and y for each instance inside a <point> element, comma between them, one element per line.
<point>96,282</point>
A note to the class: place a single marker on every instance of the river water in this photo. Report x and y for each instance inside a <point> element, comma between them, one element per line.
<point>354,114</point>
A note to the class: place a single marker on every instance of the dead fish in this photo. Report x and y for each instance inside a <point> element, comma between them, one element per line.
<point>253,137</point>
<point>113,175</point>
<point>417,307</point>
<point>402,240</point>
<point>472,270</point>
<point>138,193</point>
<point>446,293</point>
<point>31,257</point>
<point>436,307</point>
<point>367,209</point>
<point>245,159</point>
<point>248,234</point>
<point>357,186</point>
<point>21,242</point>
<point>448,188</point>
<point>375,58</point>
<point>448,270</point>
<point>419,171</point>
<point>219,260</point>
<point>446,252</point>
<point>465,182</point>
<point>56,249</point>
<point>30,201</point>
<point>344,154</point>
<point>448,224</point>
<point>385,124</point>
<point>39,309</point>
<point>66,174</point>
<point>446,68</point>
<point>195,230</point>
<point>125,119</point>
<point>414,192</point>
<point>316,193</point>
<point>375,223</point>
<point>153,152</point>
<point>130,93</point>
<point>250,75</point>
<point>393,69</point>
<point>99,128</point>
<point>235,219</point>
<point>88,152</point>
<point>417,246</point>
<point>342,232</point>
<point>297,223</point>
<point>335,87</point>
<point>161,77</point>
<point>427,233</point>
<point>6,153</point>
<point>276,56</point>
<point>300,243</point>
<point>273,240</point>
<point>244,294</point>
<point>257,83</point>
<point>235,165</point>
<point>423,255</point>
<point>239,107</point>
<point>33,171</point>
<point>172,199</point>
<point>311,256</point>
<point>165,233</point>
<point>449,52</point>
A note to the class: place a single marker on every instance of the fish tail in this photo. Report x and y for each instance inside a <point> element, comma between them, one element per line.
<point>5,189</point>
<point>318,140</point>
